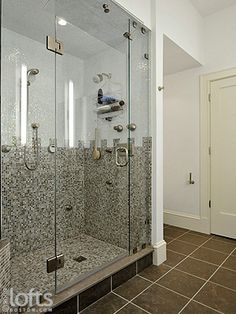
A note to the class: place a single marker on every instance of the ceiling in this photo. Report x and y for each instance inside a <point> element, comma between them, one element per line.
<point>89,31</point>
<point>208,7</point>
<point>176,59</point>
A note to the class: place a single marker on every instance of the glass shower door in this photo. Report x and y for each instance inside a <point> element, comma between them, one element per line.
<point>92,154</point>
<point>27,127</point>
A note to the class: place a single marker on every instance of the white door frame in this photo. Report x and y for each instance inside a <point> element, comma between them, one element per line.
<point>205,84</point>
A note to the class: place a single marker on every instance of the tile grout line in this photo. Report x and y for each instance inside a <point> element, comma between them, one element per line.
<point>176,237</point>
<point>128,302</point>
<point>207,280</point>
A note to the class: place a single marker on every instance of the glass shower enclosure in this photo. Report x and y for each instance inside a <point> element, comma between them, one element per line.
<point>75,139</point>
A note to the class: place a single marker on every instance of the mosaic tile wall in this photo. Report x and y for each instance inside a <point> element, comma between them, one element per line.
<point>91,197</point>
<point>107,196</point>
<point>28,207</point>
<point>4,273</point>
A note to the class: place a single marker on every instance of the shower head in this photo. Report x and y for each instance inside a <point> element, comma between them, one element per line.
<point>99,77</point>
<point>31,75</point>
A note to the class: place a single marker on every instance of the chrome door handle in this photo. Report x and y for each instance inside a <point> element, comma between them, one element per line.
<point>122,149</point>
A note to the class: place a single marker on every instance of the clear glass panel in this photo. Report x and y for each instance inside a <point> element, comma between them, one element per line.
<point>141,144</point>
<point>27,124</point>
<point>92,99</point>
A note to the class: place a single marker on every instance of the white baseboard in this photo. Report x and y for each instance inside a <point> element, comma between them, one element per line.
<point>159,254</point>
<point>188,221</point>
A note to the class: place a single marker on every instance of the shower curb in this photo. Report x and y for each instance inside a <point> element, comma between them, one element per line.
<point>83,294</point>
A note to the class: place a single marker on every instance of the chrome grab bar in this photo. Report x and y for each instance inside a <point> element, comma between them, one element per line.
<point>122,149</point>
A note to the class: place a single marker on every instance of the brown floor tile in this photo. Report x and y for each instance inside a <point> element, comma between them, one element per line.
<point>201,234</point>
<point>132,288</point>
<point>168,239</point>
<point>174,232</point>
<point>107,305</point>
<point>220,246</point>
<point>217,297</point>
<point>225,277</point>
<point>224,239</point>
<point>230,263</point>
<point>182,283</point>
<point>181,247</point>
<point>131,309</point>
<point>192,238</point>
<point>158,300</point>
<point>173,258</point>
<point>210,256</point>
<point>196,308</point>
<point>197,268</point>
<point>154,272</point>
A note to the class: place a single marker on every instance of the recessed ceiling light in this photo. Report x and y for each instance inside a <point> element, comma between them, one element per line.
<point>62,22</point>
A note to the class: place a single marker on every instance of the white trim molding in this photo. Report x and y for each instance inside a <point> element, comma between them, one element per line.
<point>159,254</point>
<point>188,221</point>
<point>205,119</point>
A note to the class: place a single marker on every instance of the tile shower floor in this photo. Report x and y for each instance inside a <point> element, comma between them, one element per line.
<point>198,277</point>
<point>29,269</point>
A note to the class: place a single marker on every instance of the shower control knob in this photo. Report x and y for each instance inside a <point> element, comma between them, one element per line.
<point>132,127</point>
<point>118,128</point>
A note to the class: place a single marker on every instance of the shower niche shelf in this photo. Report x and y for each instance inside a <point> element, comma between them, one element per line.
<point>111,114</point>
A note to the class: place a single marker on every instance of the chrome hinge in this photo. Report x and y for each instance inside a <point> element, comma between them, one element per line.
<point>127,35</point>
<point>209,97</point>
<point>209,150</point>
<point>56,262</point>
<point>54,45</point>
<point>209,204</point>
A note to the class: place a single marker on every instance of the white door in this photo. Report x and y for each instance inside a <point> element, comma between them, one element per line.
<point>223,157</point>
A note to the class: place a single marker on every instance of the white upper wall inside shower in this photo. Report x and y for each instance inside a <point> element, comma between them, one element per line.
<point>84,57</point>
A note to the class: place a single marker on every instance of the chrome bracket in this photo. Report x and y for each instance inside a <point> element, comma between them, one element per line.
<point>127,35</point>
<point>56,262</point>
<point>54,45</point>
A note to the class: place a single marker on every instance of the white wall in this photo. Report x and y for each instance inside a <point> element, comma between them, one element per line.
<point>181,98</point>
<point>182,23</point>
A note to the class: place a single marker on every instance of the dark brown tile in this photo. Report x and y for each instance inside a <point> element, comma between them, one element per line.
<point>123,275</point>
<point>168,239</point>
<point>230,263</point>
<point>192,238</point>
<point>131,309</point>
<point>144,262</point>
<point>217,297</point>
<point>94,293</point>
<point>181,247</point>
<point>182,283</point>
<point>225,277</point>
<point>107,305</point>
<point>158,300</point>
<point>196,308</point>
<point>132,288</point>
<point>197,268</point>
<point>174,232</point>
<point>69,307</point>
<point>154,272</point>
<point>224,239</point>
<point>210,256</point>
<point>220,246</point>
<point>173,258</point>
<point>208,236</point>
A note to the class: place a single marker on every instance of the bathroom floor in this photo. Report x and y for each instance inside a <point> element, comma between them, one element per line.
<point>199,276</point>
<point>29,270</point>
